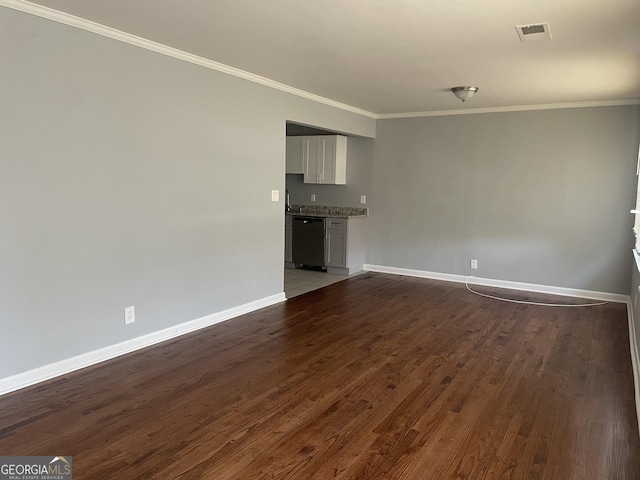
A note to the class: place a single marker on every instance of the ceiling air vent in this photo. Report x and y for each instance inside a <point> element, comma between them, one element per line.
<point>534,32</point>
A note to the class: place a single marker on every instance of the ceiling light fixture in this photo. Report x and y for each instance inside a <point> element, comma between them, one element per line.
<point>464,93</point>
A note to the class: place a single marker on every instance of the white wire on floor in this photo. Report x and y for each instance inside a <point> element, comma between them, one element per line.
<point>529,303</point>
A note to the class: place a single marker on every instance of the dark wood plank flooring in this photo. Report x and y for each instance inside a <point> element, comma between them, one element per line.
<point>376,377</point>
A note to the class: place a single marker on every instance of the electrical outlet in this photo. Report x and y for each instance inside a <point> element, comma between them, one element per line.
<point>363,199</point>
<point>129,315</point>
<point>275,195</point>
<point>313,197</point>
<point>474,264</point>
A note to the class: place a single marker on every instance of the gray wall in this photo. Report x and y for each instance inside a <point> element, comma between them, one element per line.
<point>538,197</point>
<point>129,178</point>
<point>359,163</point>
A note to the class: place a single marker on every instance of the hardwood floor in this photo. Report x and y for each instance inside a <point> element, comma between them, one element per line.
<point>376,377</point>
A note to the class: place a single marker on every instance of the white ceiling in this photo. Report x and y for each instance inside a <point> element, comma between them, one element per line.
<point>401,55</point>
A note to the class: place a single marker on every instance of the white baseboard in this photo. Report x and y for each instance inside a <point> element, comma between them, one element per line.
<point>527,287</point>
<point>47,372</point>
<point>635,358</point>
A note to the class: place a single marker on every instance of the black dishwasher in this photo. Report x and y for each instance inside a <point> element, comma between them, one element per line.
<point>308,241</point>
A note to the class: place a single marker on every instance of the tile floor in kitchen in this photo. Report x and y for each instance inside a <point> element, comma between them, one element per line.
<point>298,280</point>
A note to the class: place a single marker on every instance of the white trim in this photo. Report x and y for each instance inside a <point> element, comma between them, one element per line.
<point>513,108</point>
<point>528,287</point>
<point>635,358</point>
<point>88,25</point>
<point>47,372</point>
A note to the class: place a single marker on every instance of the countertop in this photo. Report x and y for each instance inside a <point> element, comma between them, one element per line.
<point>325,211</point>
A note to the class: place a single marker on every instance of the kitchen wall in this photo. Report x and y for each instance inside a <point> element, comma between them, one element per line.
<point>130,178</point>
<point>538,197</point>
<point>359,162</point>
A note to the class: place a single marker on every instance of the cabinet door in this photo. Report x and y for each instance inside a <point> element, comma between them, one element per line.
<point>325,159</point>
<point>328,174</point>
<point>336,248</point>
<point>340,160</point>
<point>314,158</point>
<point>295,155</point>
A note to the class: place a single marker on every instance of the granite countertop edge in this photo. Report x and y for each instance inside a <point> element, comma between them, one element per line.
<point>328,212</point>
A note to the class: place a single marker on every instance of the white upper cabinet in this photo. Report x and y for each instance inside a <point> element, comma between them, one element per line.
<point>325,159</point>
<point>320,158</point>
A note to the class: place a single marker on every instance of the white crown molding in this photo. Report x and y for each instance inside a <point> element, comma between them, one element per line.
<point>47,372</point>
<point>527,287</point>
<point>513,108</point>
<point>88,25</point>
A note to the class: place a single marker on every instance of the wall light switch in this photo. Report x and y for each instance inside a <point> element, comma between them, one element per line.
<point>363,199</point>
<point>275,195</point>
<point>313,197</point>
